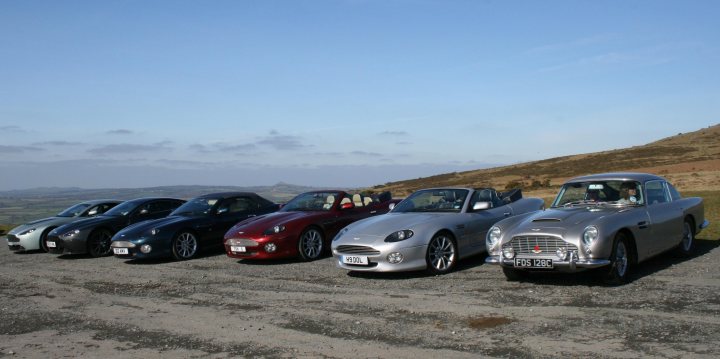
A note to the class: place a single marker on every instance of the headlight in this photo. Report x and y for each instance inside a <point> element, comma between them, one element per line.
<point>26,232</point>
<point>154,231</point>
<point>70,234</point>
<point>275,229</point>
<point>589,236</point>
<point>340,234</point>
<point>493,238</point>
<point>399,236</point>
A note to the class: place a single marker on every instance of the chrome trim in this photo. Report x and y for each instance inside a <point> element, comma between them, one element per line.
<point>572,264</point>
<point>242,242</point>
<point>354,249</point>
<point>122,244</point>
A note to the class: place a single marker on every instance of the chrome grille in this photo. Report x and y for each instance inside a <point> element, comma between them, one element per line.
<point>243,242</point>
<point>370,251</point>
<point>546,244</point>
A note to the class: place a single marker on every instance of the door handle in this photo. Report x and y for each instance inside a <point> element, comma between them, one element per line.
<point>506,214</point>
<point>642,225</point>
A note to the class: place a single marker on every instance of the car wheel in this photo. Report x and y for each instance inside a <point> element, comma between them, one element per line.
<point>310,244</point>
<point>99,243</point>
<point>184,246</point>
<point>43,240</point>
<point>619,270</point>
<point>685,248</point>
<point>513,275</point>
<point>441,254</point>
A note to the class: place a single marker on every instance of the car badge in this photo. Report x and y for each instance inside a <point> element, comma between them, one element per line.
<point>537,250</point>
<point>534,229</point>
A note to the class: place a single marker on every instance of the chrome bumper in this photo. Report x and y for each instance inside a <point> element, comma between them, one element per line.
<point>571,264</point>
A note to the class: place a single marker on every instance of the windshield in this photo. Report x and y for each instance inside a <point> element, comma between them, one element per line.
<point>74,211</point>
<point>123,209</point>
<point>196,207</point>
<point>433,200</point>
<point>599,192</point>
<point>312,201</point>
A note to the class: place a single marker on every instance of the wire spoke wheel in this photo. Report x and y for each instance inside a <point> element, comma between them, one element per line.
<point>687,241</point>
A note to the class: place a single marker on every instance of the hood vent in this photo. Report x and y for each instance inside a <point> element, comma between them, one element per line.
<point>547,220</point>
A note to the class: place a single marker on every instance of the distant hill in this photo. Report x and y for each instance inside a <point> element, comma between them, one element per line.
<point>691,161</point>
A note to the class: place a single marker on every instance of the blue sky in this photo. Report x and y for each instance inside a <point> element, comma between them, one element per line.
<point>339,93</point>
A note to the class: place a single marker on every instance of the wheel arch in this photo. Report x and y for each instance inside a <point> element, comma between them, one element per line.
<point>631,242</point>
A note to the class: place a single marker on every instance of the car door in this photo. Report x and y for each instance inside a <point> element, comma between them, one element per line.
<point>479,222</point>
<point>665,217</point>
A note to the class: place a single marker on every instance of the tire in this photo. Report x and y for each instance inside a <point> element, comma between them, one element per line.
<point>620,260</point>
<point>442,254</point>
<point>98,243</point>
<point>514,275</point>
<point>185,246</point>
<point>310,244</point>
<point>686,246</point>
<point>43,240</point>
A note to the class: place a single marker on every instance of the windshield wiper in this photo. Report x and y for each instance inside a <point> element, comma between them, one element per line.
<point>575,203</point>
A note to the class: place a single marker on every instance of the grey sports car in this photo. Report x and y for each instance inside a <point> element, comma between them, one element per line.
<point>611,220</point>
<point>31,236</point>
<point>431,229</point>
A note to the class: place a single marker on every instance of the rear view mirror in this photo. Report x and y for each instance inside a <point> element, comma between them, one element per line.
<point>478,206</point>
<point>391,206</point>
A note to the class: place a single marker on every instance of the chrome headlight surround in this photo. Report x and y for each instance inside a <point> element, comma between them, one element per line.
<point>492,240</point>
<point>274,229</point>
<point>589,236</point>
<point>398,236</point>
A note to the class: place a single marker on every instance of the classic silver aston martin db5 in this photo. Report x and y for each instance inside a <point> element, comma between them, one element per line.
<point>611,220</point>
<point>431,229</point>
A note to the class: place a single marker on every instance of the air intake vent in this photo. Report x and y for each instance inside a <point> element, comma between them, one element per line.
<point>547,220</point>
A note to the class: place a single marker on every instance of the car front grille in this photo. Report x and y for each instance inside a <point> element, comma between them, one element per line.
<point>12,238</point>
<point>538,245</point>
<point>242,242</point>
<point>365,250</point>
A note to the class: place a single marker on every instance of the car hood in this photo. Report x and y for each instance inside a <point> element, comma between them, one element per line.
<point>41,223</point>
<point>138,229</point>
<point>257,225</point>
<point>385,224</point>
<point>569,217</point>
<point>90,223</point>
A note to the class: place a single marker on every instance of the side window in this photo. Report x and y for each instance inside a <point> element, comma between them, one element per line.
<point>95,210</point>
<point>237,205</point>
<point>656,192</point>
<point>160,206</point>
<point>674,194</point>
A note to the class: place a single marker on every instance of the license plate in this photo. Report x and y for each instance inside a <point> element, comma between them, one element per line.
<point>238,249</point>
<point>121,251</point>
<point>51,244</point>
<point>533,263</point>
<point>357,260</point>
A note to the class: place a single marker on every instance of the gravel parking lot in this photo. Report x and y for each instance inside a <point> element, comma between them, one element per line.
<point>214,306</point>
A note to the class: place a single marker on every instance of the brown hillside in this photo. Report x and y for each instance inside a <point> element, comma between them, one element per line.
<point>691,161</point>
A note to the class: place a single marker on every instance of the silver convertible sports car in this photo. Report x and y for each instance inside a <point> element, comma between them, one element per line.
<point>611,221</point>
<point>31,236</point>
<point>431,229</point>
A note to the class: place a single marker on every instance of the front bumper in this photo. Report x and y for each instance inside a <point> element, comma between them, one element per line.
<point>286,246</point>
<point>570,265</point>
<point>413,259</point>
<point>27,242</point>
<point>159,248</point>
<point>76,245</point>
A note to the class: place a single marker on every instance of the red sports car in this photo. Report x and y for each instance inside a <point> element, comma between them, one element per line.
<point>303,227</point>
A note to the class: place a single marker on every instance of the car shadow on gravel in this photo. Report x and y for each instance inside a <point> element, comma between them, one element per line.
<point>465,264</point>
<point>594,277</point>
<point>202,254</point>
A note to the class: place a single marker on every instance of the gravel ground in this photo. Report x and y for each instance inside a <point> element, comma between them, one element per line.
<point>217,307</point>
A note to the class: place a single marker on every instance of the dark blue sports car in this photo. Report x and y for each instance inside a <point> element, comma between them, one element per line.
<point>199,223</point>
<point>93,235</point>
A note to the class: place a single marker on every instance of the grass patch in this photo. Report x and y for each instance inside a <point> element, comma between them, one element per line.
<point>711,200</point>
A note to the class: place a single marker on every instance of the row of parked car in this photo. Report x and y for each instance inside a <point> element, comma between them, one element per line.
<point>610,221</point>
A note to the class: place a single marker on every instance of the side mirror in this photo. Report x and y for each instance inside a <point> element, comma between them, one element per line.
<point>92,213</point>
<point>478,206</point>
<point>347,205</point>
<point>391,206</point>
<point>222,210</point>
<point>144,211</point>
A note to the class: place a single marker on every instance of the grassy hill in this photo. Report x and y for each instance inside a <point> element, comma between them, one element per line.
<point>691,161</point>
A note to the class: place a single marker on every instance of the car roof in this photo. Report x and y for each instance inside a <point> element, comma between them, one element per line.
<point>98,201</point>
<point>227,194</point>
<point>630,176</point>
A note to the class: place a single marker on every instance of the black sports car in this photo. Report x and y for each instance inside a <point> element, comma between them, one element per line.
<point>93,235</point>
<point>201,222</point>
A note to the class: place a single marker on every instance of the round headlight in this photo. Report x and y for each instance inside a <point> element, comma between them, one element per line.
<point>145,248</point>
<point>589,236</point>
<point>508,252</point>
<point>561,253</point>
<point>270,247</point>
<point>493,238</point>
<point>395,257</point>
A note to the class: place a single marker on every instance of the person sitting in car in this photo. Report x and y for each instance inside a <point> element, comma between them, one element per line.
<point>628,193</point>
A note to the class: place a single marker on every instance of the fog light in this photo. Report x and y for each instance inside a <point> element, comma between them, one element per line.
<point>561,253</point>
<point>508,252</point>
<point>395,258</point>
<point>145,248</point>
<point>270,247</point>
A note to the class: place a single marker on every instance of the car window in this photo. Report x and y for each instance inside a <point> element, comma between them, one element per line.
<point>674,194</point>
<point>237,205</point>
<point>433,200</point>
<point>656,192</point>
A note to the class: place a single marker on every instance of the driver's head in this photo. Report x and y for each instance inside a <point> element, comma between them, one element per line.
<point>628,189</point>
